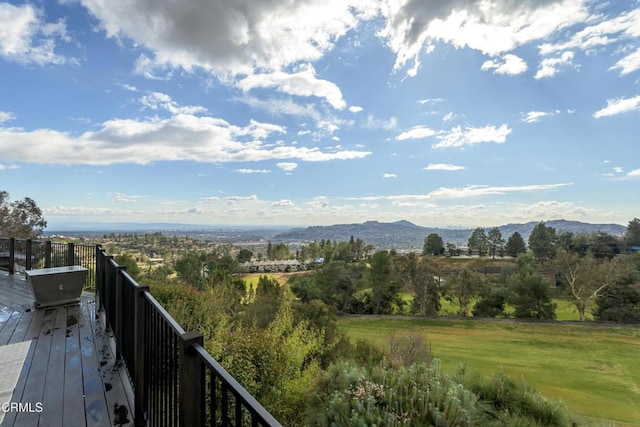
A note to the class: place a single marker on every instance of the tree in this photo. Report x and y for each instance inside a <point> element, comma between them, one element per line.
<point>565,240</point>
<point>244,255</point>
<point>542,241</point>
<point>433,245</point>
<point>20,219</point>
<point>383,280</point>
<point>495,241</point>
<point>190,269</point>
<point>633,232</point>
<point>602,245</point>
<point>515,245</point>
<point>478,241</point>
<point>586,278</point>
<point>418,277</point>
<point>461,287</point>
<point>620,302</point>
<point>491,303</point>
<point>130,265</point>
<point>529,292</point>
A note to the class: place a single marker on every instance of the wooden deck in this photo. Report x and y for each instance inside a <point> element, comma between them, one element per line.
<point>69,376</point>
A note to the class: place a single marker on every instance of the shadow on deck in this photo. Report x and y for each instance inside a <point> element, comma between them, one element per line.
<point>56,364</point>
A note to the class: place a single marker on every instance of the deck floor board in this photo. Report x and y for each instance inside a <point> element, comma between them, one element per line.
<point>69,368</point>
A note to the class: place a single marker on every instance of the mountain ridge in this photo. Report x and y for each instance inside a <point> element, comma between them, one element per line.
<point>404,234</point>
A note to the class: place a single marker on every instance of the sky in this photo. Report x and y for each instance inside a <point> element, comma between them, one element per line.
<point>317,112</point>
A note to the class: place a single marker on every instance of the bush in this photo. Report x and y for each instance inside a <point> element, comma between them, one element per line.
<point>419,395</point>
<point>509,403</point>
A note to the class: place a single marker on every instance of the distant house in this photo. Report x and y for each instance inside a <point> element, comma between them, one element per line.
<point>283,266</point>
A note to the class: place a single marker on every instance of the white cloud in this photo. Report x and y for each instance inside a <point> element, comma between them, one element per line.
<point>443,167</point>
<point>534,116</point>
<point>5,167</point>
<point>549,67</point>
<point>181,137</point>
<point>493,27</point>
<point>629,63</point>
<point>159,100</point>
<point>619,106</point>
<point>231,37</point>
<point>287,166</point>
<point>235,199</point>
<point>26,38</point>
<point>600,31</point>
<point>634,173</point>
<point>252,171</point>
<point>457,137</point>
<point>5,117</point>
<point>430,101</point>
<point>373,123</point>
<point>285,202</point>
<point>548,210</point>
<point>129,88</point>
<point>302,83</point>
<point>510,64</point>
<point>280,107</point>
<point>416,132</point>
<point>124,198</point>
<point>486,190</point>
<point>389,175</point>
<point>448,117</point>
<point>356,109</point>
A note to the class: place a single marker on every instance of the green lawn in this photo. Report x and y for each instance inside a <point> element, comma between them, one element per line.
<point>595,370</point>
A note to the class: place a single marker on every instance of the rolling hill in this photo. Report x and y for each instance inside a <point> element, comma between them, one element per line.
<point>406,235</point>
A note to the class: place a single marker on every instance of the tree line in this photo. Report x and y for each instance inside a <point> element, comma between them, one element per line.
<point>543,242</point>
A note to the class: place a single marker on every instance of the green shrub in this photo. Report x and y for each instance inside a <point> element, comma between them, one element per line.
<point>419,395</point>
<point>510,403</point>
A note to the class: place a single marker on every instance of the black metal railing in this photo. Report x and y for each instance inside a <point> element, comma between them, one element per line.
<point>18,255</point>
<point>176,382</point>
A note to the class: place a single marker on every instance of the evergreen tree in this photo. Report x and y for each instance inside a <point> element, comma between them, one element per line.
<point>542,241</point>
<point>495,241</point>
<point>433,245</point>
<point>515,245</point>
<point>478,241</point>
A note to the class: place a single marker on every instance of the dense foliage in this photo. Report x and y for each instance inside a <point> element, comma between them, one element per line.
<point>282,343</point>
<point>21,218</point>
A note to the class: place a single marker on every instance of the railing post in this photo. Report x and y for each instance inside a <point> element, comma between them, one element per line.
<point>27,254</point>
<point>139,382</point>
<point>100,272</point>
<point>12,255</point>
<point>191,380</point>
<point>106,303</point>
<point>117,328</point>
<point>47,254</point>
<point>71,254</point>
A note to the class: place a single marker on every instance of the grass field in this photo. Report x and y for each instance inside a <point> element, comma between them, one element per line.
<point>595,370</point>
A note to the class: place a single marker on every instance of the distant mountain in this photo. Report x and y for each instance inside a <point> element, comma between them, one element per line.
<point>562,225</point>
<point>406,235</point>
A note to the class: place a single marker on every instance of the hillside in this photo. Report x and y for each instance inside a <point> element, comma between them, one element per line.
<point>406,235</point>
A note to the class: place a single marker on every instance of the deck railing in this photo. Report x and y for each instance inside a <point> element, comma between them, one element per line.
<point>18,255</point>
<point>175,380</point>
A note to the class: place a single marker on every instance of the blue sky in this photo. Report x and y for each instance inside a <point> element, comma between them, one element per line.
<point>309,112</point>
